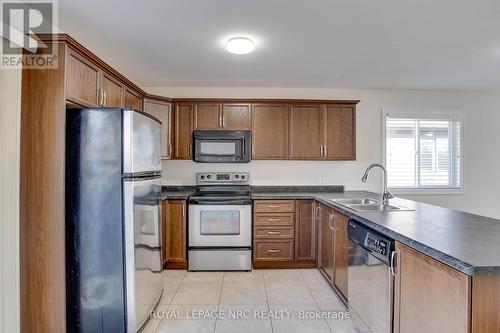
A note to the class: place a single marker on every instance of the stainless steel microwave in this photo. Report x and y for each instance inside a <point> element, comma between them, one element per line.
<point>222,146</point>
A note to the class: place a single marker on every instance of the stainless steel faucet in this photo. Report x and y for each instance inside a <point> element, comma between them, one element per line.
<point>386,195</point>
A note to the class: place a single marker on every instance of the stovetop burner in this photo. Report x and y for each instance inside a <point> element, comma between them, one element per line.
<point>221,188</point>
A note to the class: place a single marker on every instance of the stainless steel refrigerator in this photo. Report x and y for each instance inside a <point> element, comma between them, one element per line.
<point>113,219</point>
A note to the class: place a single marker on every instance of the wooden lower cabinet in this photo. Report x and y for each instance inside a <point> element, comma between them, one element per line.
<point>305,231</point>
<point>325,243</point>
<point>332,248</point>
<point>174,248</point>
<point>340,274</point>
<point>485,304</point>
<point>284,234</point>
<point>429,296</point>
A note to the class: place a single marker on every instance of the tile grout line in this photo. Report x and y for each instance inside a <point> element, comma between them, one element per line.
<point>218,301</point>
<point>170,302</point>
<point>267,301</point>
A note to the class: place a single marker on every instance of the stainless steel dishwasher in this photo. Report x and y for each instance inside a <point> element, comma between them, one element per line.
<point>371,278</point>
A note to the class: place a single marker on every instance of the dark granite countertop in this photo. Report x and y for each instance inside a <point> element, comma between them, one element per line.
<point>176,192</point>
<point>467,242</point>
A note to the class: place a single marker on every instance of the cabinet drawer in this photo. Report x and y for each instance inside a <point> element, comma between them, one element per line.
<point>273,250</point>
<point>273,232</point>
<point>273,219</point>
<point>274,206</point>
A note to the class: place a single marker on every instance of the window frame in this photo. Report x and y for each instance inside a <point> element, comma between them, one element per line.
<point>426,115</point>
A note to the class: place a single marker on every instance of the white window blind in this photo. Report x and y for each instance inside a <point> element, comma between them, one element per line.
<point>423,152</point>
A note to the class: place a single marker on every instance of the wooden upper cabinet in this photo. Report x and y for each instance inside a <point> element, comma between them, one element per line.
<point>236,117</point>
<point>82,80</point>
<point>305,132</point>
<point>270,131</point>
<point>340,252</point>
<point>428,295</point>
<point>162,111</point>
<point>305,231</point>
<point>183,131</point>
<point>340,132</point>
<point>208,116</point>
<point>132,100</point>
<point>111,90</point>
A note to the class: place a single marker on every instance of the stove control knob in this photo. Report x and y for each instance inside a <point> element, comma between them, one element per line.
<point>243,177</point>
<point>208,176</point>
<point>202,177</point>
<point>237,176</point>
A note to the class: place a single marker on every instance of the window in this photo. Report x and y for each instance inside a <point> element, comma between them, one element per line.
<point>423,152</point>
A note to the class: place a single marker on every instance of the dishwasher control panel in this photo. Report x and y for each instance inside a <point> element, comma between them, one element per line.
<point>371,240</point>
<point>376,244</point>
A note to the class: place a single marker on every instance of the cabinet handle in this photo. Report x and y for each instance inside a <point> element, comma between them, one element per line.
<point>183,210</point>
<point>273,250</point>
<point>274,219</point>
<point>223,122</point>
<point>273,232</point>
<point>104,98</point>
<point>190,151</point>
<point>99,97</point>
<point>169,150</point>
<point>330,217</point>
<point>220,121</point>
<point>324,151</point>
<point>316,215</point>
<point>393,255</point>
<point>274,206</point>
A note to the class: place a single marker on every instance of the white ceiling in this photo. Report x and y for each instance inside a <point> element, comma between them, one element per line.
<point>382,44</point>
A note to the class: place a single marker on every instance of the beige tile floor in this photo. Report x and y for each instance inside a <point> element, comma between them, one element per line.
<point>218,297</point>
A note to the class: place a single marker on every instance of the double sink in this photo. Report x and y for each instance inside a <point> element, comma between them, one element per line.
<point>366,204</point>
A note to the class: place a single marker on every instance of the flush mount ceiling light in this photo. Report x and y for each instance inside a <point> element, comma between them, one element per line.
<point>240,45</point>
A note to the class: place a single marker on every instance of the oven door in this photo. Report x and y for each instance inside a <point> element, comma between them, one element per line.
<point>220,225</point>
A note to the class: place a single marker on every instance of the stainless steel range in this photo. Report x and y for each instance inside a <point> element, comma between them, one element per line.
<point>220,223</point>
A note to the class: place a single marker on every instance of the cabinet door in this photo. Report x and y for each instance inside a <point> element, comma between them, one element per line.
<point>151,108</point>
<point>428,295</point>
<point>82,80</point>
<point>165,230</point>
<point>208,116</point>
<point>112,91</point>
<point>325,260</point>
<point>270,131</point>
<point>165,116</point>
<point>305,127</point>
<point>161,111</point>
<point>183,131</point>
<point>340,133</point>
<point>175,232</point>
<point>132,100</point>
<point>340,252</point>
<point>305,231</point>
<point>236,117</point>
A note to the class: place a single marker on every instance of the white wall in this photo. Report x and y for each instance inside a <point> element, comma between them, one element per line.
<point>10,116</point>
<point>481,134</point>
